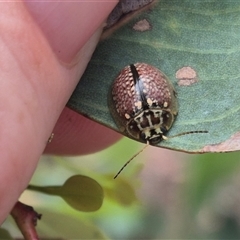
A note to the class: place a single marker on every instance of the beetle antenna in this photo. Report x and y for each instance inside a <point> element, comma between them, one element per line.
<point>164,138</point>
<point>184,133</point>
<point>131,159</point>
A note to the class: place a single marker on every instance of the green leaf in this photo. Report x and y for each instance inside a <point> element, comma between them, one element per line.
<point>203,35</point>
<point>80,192</point>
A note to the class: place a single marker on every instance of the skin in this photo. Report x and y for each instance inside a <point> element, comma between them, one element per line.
<point>45,47</point>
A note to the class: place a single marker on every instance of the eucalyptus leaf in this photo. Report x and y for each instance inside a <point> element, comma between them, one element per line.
<point>202,35</point>
<point>80,192</point>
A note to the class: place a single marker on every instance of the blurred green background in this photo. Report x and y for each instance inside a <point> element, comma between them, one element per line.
<point>161,194</point>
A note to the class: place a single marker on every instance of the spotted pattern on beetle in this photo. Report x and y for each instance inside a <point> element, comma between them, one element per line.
<point>144,103</point>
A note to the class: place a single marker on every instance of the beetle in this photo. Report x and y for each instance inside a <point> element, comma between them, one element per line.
<point>144,103</point>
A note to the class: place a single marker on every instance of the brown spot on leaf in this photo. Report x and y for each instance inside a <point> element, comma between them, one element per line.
<point>186,76</point>
<point>142,26</point>
<point>231,144</point>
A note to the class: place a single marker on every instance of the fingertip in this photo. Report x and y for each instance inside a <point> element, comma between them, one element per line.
<point>75,134</point>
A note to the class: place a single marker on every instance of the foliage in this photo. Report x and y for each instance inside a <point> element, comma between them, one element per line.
<point>80,192</point>
<point>202,35</point>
